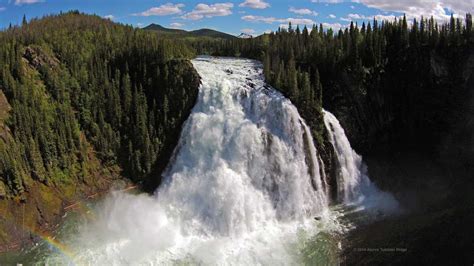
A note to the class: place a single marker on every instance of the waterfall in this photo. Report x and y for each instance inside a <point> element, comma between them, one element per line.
<point>353,183</point>
<point>243,152</point>
<point>243,186</point>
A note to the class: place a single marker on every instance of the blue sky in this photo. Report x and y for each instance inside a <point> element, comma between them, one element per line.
<point>250,16</point>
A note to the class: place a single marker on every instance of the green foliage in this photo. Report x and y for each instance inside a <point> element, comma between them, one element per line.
<point>73,75</point>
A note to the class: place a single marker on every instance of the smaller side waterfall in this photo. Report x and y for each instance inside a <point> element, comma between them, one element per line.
<point>353,183</point>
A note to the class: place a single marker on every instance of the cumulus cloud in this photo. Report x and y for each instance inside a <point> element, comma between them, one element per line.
<point>332,16</point>
<point>163,10</point>
<point>27,2</point>
<point>176,25</point>
<point>209,11</point>
<point>303,11</point>
<point>439,9</point>
<point>334,26</point>
<point>270,20</point>
<point>109,17</point>
<point>352,17</point>
<point>252,18</point>
<point>300,21</point>
<point>248,31</point>
<point>416,8</point>
<point>257,4</point>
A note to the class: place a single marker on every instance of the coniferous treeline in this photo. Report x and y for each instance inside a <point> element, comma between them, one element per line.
<point>73,79</point>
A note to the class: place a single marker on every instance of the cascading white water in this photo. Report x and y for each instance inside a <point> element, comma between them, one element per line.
<point>242,150</point>
<point>242,188</point>
<point>353,184</point>
<point>243,184</point>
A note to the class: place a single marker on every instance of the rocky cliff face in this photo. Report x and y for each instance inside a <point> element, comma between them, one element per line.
<point>416,135</point>
<point>426,109</point>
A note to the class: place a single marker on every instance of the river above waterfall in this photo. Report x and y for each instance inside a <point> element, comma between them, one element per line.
<point>238,190</point>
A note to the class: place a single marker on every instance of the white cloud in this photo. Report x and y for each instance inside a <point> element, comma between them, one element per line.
<point>332,16</point>
<point>248,31</point>
<point>252,18</point>
<point>209,11</point>
<point>352,17</point>
<point>439,9</point>
<point>268,31</point>
<point>334,26</point>
<point>27,2</point>
<point>176,25</point>
<point>139,24</point>
<point>303,11</point>
<point>257,4</point>
<point>300,21</point>
<point>163,10</point>
<point>353,7</point>
<point>269,20</point>
<point>417,8</point>
<point>111,17</point>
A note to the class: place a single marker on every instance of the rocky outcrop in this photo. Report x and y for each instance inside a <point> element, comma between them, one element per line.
<point>37,58</point>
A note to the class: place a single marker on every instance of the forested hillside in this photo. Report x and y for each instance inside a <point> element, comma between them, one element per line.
<point>207,34</point>
<point>86,99</point>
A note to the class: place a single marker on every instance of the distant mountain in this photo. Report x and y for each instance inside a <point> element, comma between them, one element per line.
<point>245,36</point>
<point>212,34</point>
<point>177,33</point>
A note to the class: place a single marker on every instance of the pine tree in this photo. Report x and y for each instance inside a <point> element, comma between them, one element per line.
<point>24,22</point>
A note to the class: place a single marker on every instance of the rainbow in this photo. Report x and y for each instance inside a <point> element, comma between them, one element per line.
<point>55,244</point>
<point>58,246</point>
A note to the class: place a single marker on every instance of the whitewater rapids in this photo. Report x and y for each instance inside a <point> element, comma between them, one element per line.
<point>243,187</point>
